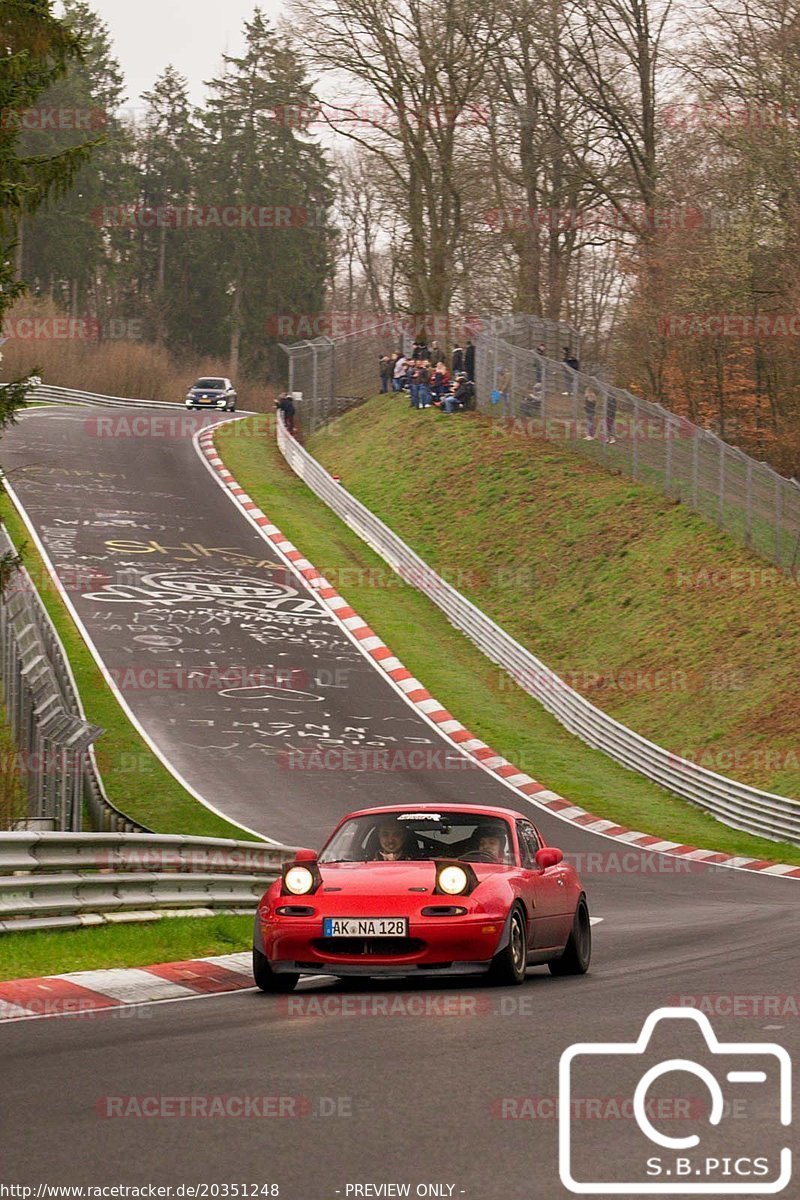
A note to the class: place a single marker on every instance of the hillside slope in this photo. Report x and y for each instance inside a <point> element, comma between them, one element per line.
<point>640,605</point>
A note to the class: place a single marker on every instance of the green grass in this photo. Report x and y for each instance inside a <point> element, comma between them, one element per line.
<point>171,939</point>
<point>611,567</point>
<point>135,780</point>
<point>448,488</point>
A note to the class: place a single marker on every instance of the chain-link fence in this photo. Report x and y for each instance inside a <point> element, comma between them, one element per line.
<point>530,332</point>
<point>52,739</point>
<point>547,399</point>
<point>331,374</point>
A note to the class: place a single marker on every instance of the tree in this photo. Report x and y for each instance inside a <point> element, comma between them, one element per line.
<point>38,50</point>
<point>168,155</point>
<point>68,249</point>
<point>419,67</point>
<point>253,157</point>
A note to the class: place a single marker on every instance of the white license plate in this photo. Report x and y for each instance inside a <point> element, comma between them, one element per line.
<point>365,926</point>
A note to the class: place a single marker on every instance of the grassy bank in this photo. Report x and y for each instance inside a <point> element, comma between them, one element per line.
<point>172,939</point>
<point>644,607</point>
<point>380,443</point>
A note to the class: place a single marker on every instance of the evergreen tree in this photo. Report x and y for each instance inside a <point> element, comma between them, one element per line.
<point>70,250</point>
<point>39,49</point>
<point>254,158</point>
<point>167,157</point>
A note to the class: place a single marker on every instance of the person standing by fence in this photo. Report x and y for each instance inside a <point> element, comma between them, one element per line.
<point>571,364</point>
<point>469,361</point>
<point>590,408</point>
<point>284,407</point>
<point>399,373</point>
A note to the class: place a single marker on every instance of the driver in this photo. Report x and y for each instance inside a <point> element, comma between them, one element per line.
<point>394,842</point>
<point>492,842</point>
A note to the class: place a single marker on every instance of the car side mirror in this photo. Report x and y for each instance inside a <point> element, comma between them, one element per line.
<point>305,856</point>
<point>548,856</point>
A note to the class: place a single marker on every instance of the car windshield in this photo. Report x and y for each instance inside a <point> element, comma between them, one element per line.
<point>409,834</point>
<point>211,384</point>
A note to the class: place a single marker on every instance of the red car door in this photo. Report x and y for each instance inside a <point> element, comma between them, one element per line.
<point>547,899</point>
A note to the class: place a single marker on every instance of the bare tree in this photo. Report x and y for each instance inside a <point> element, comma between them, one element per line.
<point>423,62</point>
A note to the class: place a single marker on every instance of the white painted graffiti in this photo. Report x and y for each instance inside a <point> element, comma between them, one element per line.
<point>229,591</point>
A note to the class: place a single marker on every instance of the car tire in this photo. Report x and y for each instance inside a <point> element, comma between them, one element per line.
<point>267,979</point>
<point>508,966</point>
<point>578,950</point>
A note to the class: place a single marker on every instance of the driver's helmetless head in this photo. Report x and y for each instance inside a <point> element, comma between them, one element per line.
<point>492,841</point>
<point>390,837</point>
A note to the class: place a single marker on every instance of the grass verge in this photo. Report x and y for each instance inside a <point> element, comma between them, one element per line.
<point>135,780</point>
<point>647,609</point>
<point>454,670</point>
<point>171,939</point>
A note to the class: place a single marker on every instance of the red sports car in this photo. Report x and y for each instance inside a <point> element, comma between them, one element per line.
<point>432,890</point>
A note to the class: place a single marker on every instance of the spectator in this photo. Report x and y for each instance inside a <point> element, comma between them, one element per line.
<point>284,407</point>
<point>541,350</point>
<point>570,362</point>
<point>460,396</point>
<point>411,367</point>
<point>425,374</point>
<point>415,368</point>
<point>531,406</point>
<point>457,361</point>
<point>469,361</point>
<point>504,385</point>
<point>399,373</point>
<point>385,372</point>
<point>436,353</point>
<point>590,406</point>
<point>440,382</point>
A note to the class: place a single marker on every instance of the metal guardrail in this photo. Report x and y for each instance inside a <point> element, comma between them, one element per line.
<point>54,740</point>
<point>54,880</point>
<point>734,803</point>
<point>45,393</point>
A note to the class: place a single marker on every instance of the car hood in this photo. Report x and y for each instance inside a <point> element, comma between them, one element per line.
<point>390,878</point>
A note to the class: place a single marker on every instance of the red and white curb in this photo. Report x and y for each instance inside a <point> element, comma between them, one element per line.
<point>94,993</point>
<point>418,696</point>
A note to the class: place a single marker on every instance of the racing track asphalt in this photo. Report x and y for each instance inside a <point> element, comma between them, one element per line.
<point>459,1092</point>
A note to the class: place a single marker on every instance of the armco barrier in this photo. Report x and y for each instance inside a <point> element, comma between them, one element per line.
<point>62,880</point>
<point>734,803</point>
<point>45,393</point>
<point>48,723</point>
